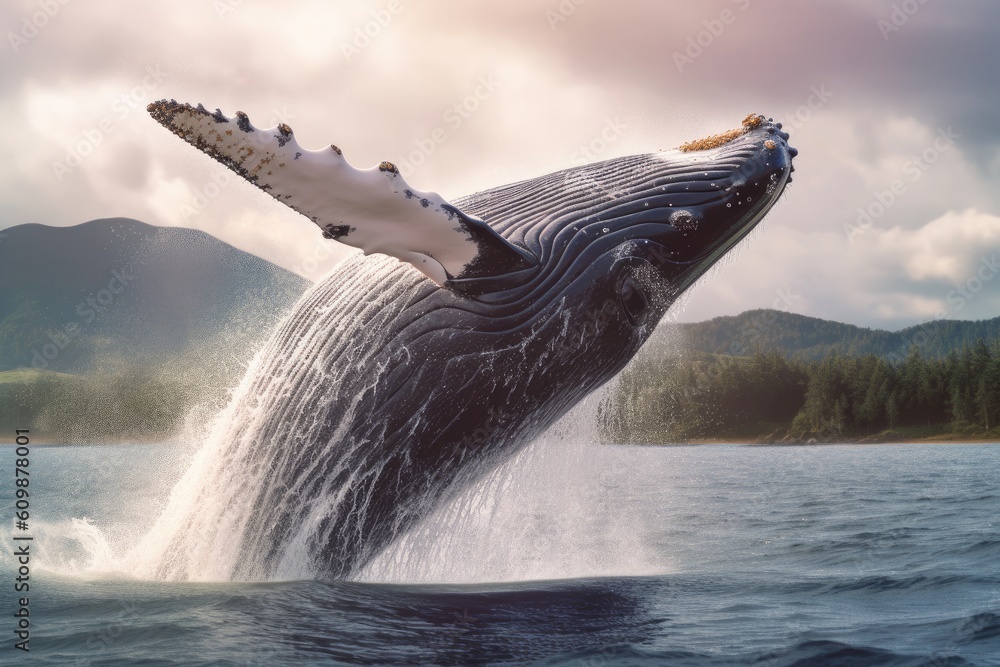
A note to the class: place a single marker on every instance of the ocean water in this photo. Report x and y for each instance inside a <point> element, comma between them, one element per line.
<point>575,553</point>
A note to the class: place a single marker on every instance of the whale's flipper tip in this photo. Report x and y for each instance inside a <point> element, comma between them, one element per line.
<point>371,209</point>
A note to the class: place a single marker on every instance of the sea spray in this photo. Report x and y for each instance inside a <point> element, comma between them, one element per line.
<point>351,428</point>
<point>546,514</point>
<point>211,517</point>
<point>75,548</point>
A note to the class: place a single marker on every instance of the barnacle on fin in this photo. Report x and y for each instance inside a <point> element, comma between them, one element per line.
<point>751,122</point>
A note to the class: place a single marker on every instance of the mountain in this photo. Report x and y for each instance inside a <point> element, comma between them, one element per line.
<point>810,338</point>
<point>115,330</point>
<point>73,297</point>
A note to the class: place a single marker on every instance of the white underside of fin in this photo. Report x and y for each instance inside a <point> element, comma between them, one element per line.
<point>371,209</point>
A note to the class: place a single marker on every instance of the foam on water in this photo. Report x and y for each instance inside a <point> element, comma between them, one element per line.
<point>201,491</point>
<point>75,548</point>
<point>541,515</point>
<point>546,514</point>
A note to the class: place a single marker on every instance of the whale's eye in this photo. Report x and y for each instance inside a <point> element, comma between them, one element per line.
<point>633,300</point>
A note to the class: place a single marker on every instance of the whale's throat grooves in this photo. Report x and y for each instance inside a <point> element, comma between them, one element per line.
<point>372,403</point>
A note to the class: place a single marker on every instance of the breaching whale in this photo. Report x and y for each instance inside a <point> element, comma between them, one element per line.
<point>395,383</point>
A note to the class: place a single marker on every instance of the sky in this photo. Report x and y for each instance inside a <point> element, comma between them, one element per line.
<point>893,218</point>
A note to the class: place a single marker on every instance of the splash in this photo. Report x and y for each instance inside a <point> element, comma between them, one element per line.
<point>76,548</point>
<point>550,513</point>
<point>279,469</point>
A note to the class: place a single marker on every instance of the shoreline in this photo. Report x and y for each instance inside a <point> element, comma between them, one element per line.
<point>48,442</point>
<point>744,443</point>
<point>755,442</point>
<point>922,441</point>
<point>694,442</point>
<point>934,434</point>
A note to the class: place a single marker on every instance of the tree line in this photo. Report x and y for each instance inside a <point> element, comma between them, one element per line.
<point>700,395</point>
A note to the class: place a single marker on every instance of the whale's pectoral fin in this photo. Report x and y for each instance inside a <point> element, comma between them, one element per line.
<point>371,209</point>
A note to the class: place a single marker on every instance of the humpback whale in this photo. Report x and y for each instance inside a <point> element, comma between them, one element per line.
<point>463,331</point>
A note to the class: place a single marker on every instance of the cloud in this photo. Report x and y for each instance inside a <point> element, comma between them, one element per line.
<point>860,103</point>
<point>944,248</point>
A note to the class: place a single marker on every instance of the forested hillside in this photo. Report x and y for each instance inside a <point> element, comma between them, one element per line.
<point>801,337</point>
<point>115,329</point>
<point>839,398</point>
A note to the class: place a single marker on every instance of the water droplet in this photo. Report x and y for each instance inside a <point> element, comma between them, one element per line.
<point>646,204</point>
<point>606,230</point>
<point>729,205</point>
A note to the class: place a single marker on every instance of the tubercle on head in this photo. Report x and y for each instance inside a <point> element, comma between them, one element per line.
<point>750,123</point>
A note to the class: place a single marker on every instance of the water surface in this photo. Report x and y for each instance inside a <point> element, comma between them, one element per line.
<point>710,555</point>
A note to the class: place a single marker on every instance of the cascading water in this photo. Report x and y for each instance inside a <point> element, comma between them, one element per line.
<point>217,518</point>
<point>555,511</point>
<point>295,467</point>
